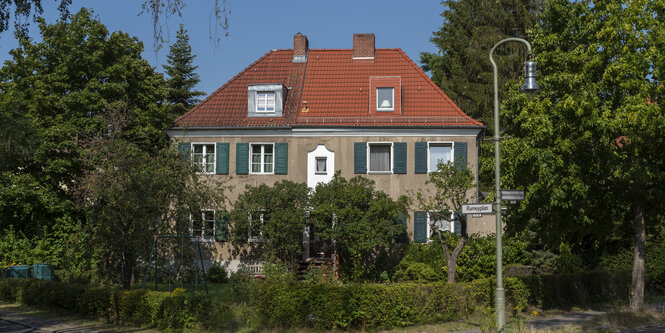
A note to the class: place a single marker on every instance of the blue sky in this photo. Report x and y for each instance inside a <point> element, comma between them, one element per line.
<point>257,26</point>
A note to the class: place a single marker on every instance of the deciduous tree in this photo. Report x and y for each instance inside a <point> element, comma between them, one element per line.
<point>273,216</point>
<point>358,219</point>
<point>448,189</point>
<point>588,149</point>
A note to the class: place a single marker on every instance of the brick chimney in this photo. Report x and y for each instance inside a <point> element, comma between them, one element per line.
<point>300,48</point>
<point>363,46</point>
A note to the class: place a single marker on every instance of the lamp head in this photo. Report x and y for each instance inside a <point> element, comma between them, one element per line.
<point>530,85</point>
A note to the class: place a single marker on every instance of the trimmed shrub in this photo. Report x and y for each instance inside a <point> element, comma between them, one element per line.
<point>148,308</point>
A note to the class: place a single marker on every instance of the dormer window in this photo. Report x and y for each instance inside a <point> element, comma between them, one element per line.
<point>385,98</point>
<point>385,95</point>
<point>265,100</point>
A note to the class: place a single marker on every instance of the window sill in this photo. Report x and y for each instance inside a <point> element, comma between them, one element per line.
<point>261,173</point>
<point>385,110</point>
<point>320,173</point>
<point>380,172</point>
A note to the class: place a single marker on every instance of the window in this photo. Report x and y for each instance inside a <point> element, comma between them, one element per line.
<point>380,157</point>
<point>254,232</point>
<point>262,158</point>
<point>203,225</point>
<point>321,165</point>
<point>385,99</point>
<point>204,158</point>
<point>265,101</point>
<point>440,222</point>
<point>439,152</point>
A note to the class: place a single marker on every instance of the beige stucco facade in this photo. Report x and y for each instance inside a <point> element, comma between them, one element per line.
<point>341,143</point>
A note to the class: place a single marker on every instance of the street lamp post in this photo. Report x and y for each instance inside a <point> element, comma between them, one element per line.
<point>529,86</point>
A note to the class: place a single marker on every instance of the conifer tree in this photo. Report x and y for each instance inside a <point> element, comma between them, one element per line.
<point>470,28</point>
<point>182,77</point>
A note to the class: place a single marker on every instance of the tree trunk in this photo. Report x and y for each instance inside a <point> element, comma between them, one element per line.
<point>451,258</point>
<point>128,267</point>
<point>637,288</point>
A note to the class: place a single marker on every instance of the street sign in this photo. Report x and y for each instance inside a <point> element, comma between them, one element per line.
<point>484,208</point>
<point>512,195</point>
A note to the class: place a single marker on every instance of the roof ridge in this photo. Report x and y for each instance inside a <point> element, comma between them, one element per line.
<point>437,88</point>
<point>218,90</point>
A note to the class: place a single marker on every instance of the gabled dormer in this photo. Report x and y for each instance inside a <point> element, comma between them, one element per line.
<point>265,100</point>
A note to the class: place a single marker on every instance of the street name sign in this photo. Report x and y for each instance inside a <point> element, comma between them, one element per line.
<point>484,208</point>
<point>512,195</point>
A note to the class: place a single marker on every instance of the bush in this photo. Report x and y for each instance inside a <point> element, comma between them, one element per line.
<point>162,310</point>
<point>374,306</point>
<point>217,274</point>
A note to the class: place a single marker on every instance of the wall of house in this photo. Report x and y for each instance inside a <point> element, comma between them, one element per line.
<point>343,148</point>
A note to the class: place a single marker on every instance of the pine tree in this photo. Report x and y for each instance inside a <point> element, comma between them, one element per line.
<point>470,28</point>
<point>182,77</point>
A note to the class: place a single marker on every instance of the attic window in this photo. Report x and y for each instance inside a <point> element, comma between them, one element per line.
<point>265,100</point>
<point>385,98</point>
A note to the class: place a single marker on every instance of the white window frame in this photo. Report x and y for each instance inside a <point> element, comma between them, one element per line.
<point>452,151</point>
<point>202,236</point>
<point>392,156</point>
<point>252,238</point>
<point>378,107</point>
<point>214,162</point>
<point>257,98</point>
<point>316,165</point>
<point>430,232</point>
<point>263,162</point>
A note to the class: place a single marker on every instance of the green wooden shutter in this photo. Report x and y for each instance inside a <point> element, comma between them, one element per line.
<point>221,226</point>
<point>399,160</point>
<point>420,227</point>
<point>460,155</point>
<point>184,148</point>
<point>359,157</point>
<point>401,237</point>
<point>281,158</point>
<point>458,227</point>
<point>242,158</point>
<point>421,157</point>
<point>222,158</point>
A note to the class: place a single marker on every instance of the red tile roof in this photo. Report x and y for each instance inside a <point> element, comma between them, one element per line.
<point>330,89</point>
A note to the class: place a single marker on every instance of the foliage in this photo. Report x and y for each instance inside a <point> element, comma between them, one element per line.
<point>134,195</point>
<point>587,150</point>
<point>622,261</point>
<point>217,274</point>
<point>362,222</point>
<point>182,75</point>
<point>378,306</point>
<point>478,261</point>
<point>59,95</point>
<point>274,215</point>
<point>568,263</point>
<point>153,309</point>
<point>23,9</point>
<point>470,28</point>
<point>577,290</point>
<point>451,186</point>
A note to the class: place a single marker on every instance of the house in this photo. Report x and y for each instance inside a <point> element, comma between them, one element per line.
<point>300,114</point>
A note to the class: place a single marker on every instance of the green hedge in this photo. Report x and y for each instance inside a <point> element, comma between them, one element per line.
<point>147,308</point>
<point>377,306</point>
<point>579,289</point>
<point>382,306</point>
